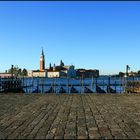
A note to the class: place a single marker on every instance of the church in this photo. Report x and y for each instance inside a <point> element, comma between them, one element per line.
<point>42,72</point>
<point>55,71</point>
<point>61,71</point>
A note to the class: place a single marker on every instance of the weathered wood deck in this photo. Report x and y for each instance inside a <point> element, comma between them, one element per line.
<point>69,116</point>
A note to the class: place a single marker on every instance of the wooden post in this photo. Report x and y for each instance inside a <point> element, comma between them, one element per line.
<point>68,83</point>
<point>109,84</point>
<point>32,83</point>
<point>133,84</point>
<point>12,75</point>
<point>0,84</point>
<point>82,83</point>
<point>42,84</point>
<point>126,79</point>
<point>53,86</point>
<point>92,84</point>
<point>23,82</point>
<point>26,84</point>
<point>115,85</point>
<point>96,83</point>
<point>38,84</point>
<point>103,84</point>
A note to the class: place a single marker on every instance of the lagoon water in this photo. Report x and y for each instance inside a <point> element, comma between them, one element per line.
<point>43,84</point>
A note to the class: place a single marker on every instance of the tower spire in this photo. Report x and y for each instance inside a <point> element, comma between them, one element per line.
<point>42,53</point>
<point>42,61</point>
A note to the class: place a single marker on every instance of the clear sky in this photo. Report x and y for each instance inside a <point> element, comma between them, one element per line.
<point>94,35</point>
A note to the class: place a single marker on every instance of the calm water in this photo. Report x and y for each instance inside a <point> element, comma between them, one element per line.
<point>45,83</point>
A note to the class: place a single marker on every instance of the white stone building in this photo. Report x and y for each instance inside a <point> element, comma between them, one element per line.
<point>55,73</point>
<point>61,71</point>
<point>6,75</point>
<point>37,73</point>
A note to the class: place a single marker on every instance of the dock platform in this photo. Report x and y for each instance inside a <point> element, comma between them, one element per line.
<point>69,116</point>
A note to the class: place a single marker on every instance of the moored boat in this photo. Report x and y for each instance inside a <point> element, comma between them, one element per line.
<point>87,90</point>
<point>110,90</point>
<point>73,90</point>
<point>62,90</point>
<point>99,90</point>
<point>51,90</point>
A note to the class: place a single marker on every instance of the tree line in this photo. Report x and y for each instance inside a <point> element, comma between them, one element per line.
<point>17,71</point>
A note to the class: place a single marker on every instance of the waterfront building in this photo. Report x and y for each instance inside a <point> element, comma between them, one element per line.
<point>55,71</point>
<point>42,72</point>
<point>6,75</point>
<point>87,73</point>
<point>132,73</point>
<point>37,73</point>
<point>61,71</point>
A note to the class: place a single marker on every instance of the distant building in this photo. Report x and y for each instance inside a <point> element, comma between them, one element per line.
<point>87,73</point>
<point>71,72</point>
<point>56,73</point>
<point>39,73</point>
<point>132,74</point>
<point>61,71</point>
<point>6,75</point>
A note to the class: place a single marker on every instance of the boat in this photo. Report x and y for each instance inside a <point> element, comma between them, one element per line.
<point>62,90</point>
<point>13,90</point>
<point>99,90</point>
<point>37,90</point>
<point>87,90</point>
<point>51,90</point>
<point>8,85</point>
<point>110,90</point>
<point>73,90</point>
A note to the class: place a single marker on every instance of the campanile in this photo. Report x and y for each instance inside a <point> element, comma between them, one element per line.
<point>42,61</point>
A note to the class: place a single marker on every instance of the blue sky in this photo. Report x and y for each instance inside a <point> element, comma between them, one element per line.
<point>94,35</point>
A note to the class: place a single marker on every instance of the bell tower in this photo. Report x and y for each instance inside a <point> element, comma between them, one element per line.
<point>42,61</point>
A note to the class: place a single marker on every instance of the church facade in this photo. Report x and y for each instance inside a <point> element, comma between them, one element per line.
<point>61,71</point>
